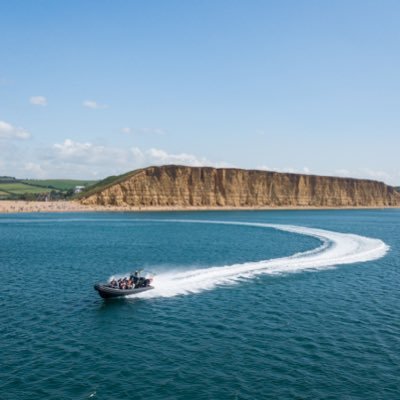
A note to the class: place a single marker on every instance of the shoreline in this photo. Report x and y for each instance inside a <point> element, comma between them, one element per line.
<point>22,206</point>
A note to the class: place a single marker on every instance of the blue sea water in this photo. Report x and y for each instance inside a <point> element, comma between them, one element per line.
<point>240,311</point>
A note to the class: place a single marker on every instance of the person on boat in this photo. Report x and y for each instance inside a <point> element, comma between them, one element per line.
<point>135,277</point>
<point>139,282</point>
<point>147,282</point>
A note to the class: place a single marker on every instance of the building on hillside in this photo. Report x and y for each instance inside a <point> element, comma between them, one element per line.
<point>78,189</point>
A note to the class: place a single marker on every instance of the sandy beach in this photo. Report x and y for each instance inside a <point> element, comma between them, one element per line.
<point>19,206</point>
<point>11,207</point>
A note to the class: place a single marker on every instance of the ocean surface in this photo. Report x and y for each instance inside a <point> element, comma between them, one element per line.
<point>246,305</point>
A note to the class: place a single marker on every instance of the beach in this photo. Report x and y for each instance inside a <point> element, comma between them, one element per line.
<point>19,206</point>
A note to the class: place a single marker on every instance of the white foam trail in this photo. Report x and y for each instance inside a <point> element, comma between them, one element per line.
<point>336,249</point>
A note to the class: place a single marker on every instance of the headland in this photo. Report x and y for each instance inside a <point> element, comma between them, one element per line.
<point>183,188</point>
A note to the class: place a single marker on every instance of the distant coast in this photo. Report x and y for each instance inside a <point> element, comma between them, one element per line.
<point>187,187</point>
<point>18,206</point>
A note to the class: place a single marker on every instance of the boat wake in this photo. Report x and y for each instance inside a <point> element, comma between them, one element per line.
<point>335,249</point>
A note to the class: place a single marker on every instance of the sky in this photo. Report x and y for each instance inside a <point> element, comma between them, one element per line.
<point>93,88</point>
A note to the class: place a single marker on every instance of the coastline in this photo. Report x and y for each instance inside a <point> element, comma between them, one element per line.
<point>19,206</point>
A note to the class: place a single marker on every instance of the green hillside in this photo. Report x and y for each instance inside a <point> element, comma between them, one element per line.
<point>39,189</point>
<point>19,187</point>
<point>58,184</point>
<point>105,183</point>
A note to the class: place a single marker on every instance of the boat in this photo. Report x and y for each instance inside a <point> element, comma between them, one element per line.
<point>125,286</point>
<point>107,292</point>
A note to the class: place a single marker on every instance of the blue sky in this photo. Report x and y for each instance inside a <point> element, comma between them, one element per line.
<point>95,88</point>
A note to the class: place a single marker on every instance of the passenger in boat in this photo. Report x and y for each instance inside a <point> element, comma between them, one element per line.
<point>113,283</point>
<point>135,277</point>
<point>139,282</point>
<point>147,282</point>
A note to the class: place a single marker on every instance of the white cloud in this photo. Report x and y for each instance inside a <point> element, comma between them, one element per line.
<point>138,155</point>
<point>367,173</point>
<point>85,159</point>
<point>38,101</point>
<point>376,175</point>
<point>342,172</point>
<point>158,156</point>
<point>35,170</point>
<point>289,170</point>
<point>88,153</point>
<point>74,159</point>
<point>361,173</point>
<point>8,131</point>
<point>93,105</point>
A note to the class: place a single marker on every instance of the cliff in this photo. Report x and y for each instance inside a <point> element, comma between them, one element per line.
<point>181,186</point>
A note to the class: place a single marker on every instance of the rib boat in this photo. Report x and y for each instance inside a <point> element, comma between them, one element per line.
<point>124,287</point>
<point>106,291</point>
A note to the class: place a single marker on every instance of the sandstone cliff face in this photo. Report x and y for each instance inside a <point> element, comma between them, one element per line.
<point>180,186</point>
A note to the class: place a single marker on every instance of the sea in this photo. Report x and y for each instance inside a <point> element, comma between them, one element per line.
<point>246,305</point>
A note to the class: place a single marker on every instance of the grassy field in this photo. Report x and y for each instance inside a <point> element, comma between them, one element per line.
<point>98,186</point>
<point>58,184</point>
<point>19,188</point>
<point>37,188</point>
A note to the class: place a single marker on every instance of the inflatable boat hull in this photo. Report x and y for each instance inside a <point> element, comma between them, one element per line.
<point>107,292</point>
